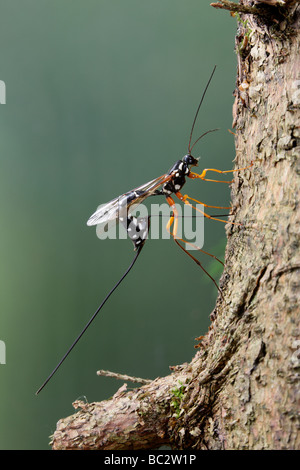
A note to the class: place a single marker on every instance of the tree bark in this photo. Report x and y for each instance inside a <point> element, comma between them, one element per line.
<point>240,389</point>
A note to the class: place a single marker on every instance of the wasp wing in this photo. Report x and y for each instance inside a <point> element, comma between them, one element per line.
<point>110,211</point>
<point>105,212</point>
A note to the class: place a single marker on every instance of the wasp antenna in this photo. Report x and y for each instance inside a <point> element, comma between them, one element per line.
<point>91,319</point>
<point>198,109</point>
<point>207,132</point>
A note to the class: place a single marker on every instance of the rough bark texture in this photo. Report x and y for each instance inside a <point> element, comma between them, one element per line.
<point>240,390</point>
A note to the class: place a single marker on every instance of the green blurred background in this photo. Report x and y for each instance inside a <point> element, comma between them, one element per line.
<point>101,95</point>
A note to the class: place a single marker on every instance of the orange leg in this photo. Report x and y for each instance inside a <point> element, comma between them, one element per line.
<point>184,199</point>
<point>205,205</point>
<point>174,234</point>
<point>202,176</point>
<point>174,218</point>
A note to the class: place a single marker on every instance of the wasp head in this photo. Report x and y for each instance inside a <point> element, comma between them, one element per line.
<point>190,160</point>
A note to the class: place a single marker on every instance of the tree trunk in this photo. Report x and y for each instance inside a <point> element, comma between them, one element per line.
<point>240,390</point>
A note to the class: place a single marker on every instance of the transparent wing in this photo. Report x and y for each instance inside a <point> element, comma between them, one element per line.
<point>153,185</point>
<point>105,212</point>
<point>110,210</point>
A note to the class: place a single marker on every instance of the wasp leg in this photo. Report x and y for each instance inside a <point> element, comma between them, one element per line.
<point>203,204</point>
<point>169,224</point>
<point>184,199</point>
<point>174,234</point>
<point>195,175</point>
<point>174,218</point>
<point>202,176</point>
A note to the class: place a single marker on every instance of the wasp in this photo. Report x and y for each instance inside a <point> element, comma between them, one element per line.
<point>168,185</point>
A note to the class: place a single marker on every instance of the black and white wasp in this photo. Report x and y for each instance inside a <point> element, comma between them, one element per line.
<point>121,209</point>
